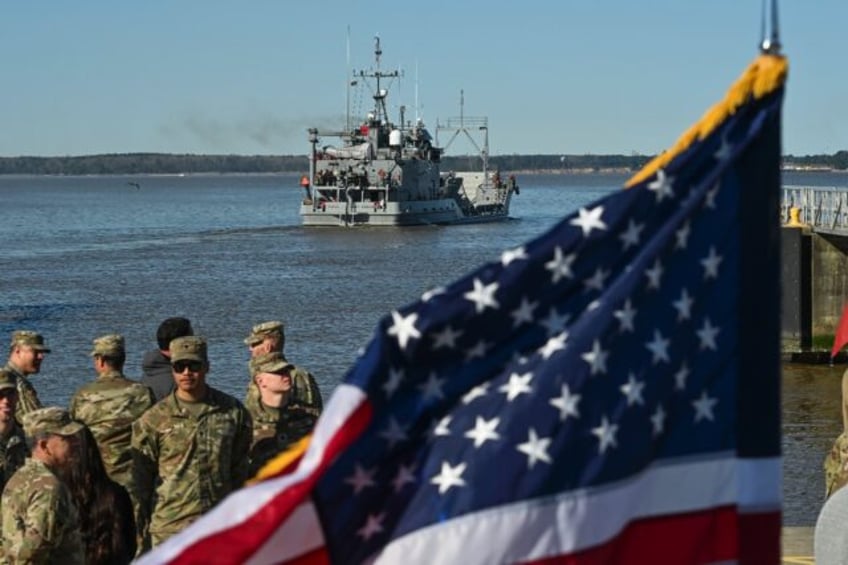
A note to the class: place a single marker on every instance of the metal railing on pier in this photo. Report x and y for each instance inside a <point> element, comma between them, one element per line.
<point>825,209</point>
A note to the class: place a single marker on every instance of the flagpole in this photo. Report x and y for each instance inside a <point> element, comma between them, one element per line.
<point>771,42</point>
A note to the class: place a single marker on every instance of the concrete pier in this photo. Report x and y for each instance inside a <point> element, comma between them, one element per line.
<point>814,284</point>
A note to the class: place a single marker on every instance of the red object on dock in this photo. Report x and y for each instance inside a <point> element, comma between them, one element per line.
<point>841,337</point>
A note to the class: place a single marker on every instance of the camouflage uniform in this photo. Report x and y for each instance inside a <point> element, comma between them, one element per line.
<point>275,429</point>
<point>109,406</point>
<point>13,447</point>
<point>305,389</point>
<point>192,458</point>
<point>13,453</point>
<point>836,465</point>
<point>40,523</point>
<point>27,397</point>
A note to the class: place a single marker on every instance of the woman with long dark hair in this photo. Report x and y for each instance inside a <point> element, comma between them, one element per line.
<point>105,510</point>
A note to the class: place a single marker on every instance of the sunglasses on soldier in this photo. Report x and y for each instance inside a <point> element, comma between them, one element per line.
<point>180,366</point>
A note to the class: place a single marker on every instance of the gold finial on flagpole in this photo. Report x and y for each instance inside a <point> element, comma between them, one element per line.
<point>771,41</point>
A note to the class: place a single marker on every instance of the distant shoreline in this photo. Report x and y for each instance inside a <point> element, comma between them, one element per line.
<point>175,164</point>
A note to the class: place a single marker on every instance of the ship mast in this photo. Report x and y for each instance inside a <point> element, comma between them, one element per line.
<point>380,112</point>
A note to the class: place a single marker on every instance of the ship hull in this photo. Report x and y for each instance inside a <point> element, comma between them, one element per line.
<point>431,212</point>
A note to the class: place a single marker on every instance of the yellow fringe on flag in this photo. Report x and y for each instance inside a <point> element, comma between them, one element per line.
<point>765,75</point>
<point>276,465</point>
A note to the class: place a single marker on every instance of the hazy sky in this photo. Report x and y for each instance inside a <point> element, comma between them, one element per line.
<point>553,76</point>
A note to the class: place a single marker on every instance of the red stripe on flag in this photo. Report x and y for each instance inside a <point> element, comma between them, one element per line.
<point>701,537</point>
<point>239,542</point>
<point>759,538</point>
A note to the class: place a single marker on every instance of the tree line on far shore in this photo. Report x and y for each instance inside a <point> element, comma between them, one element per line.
<point>168,163</point>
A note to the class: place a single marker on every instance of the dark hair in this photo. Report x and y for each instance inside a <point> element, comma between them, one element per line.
<point>116,361</point>
<point>105,510</point>
<point>172,328</point>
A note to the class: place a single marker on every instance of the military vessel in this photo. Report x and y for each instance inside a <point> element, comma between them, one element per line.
<point>383,173</point>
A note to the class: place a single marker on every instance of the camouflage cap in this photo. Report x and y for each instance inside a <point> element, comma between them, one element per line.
<point>7,379</point>
<point>273,362</point>
<point>263,330</point>
<point>50,420</point>
<point>109,345</point>
<point>31,339</point>
<point>188,348</point>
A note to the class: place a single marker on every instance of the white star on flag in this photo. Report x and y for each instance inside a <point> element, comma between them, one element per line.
<point>662,186</point>
<point>446,338</point>
<point>405,475</point>
<point>659,347</point>
<point>361,479</point>
<point>432,389</point>
<point>373,525</point>
<point>707,334</point>
<point>566,403</point>
<point>524,313</point>
<point>449,476</point>
<point>403,328</point>
<point>606,434</point>
<point>625,317</point>
<point>517,384</point>
<point>597,358</point>
<point>483,296</point>
<point>630,237</point>
<point>483,430</point>
<point>560,265</point>
<point>683,305</point>
<point>589,220</point>
<point>704,407</point>
<point>535,448</point>
<point>632,389</point>
<point>711,263</point>
<point>391,385</point>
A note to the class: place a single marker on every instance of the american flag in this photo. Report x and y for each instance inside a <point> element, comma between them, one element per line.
<point>605,393</point>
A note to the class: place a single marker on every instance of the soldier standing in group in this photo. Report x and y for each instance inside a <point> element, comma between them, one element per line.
<point>40,522</point>
<point>190,450</point>
<point>279,418</point>
<point>268,337</point>
<point>26,353</point>
<point>156,365</point>
<point>109,406</point>
<point>13,448</point>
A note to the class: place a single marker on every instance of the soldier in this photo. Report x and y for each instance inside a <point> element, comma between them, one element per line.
<point>191,447</point>
<point>156,365</point>
<point>13,449</point>
<point>110,405</point>
<point>26,353</point>
<point>265,338</point>
<point>279,418</point>
<point>40,522</point>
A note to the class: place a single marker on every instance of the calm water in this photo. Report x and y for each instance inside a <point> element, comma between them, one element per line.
<point>88,256</point>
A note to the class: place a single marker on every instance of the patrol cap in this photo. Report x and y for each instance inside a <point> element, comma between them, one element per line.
<point>31,339</point>
<point>260,331</point>
<point>111,345</point>
<point>7,379</point>
<point>50,420</point>
<point>188,348</point>
<point>273,362</point>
